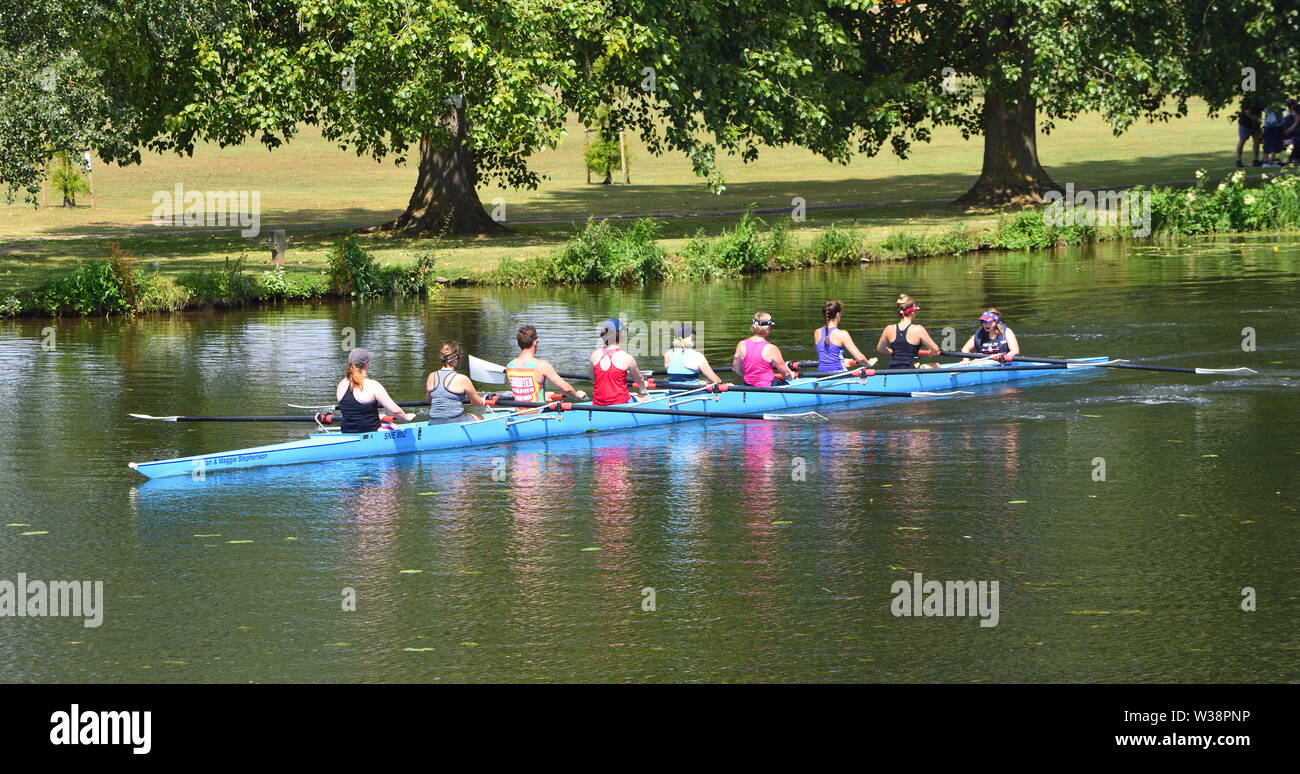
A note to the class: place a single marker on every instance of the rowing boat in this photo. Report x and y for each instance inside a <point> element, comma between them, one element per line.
<point>512,426</point>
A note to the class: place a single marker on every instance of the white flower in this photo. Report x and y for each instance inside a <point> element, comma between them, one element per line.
<point>1191,196</point>
<point>1200,173</point>
<point>1249,199</point>
<point>1221,186</point>
<point>1238,176</point>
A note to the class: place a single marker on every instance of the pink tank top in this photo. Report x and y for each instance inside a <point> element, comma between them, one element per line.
<point>758,372</point>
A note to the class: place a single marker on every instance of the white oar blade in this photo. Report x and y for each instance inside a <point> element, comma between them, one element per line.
<point>1094,365</point>
<point>948,394</point>
<point>323,406</point>
<point>160,419</point>
<point>486,372</point>
<point>807,416</point>
<point>1241,371</point>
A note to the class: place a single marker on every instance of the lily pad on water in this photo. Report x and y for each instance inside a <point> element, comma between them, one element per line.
<point>783,522</point>
<point>1089,612</point>
<point>1016,502</point>
<point>36,532</point>
<point>416,650</point>
<point>424,494</point>
<point>238,541</point>
<point>338,644</point>
<point>18,524</point>
<point>591,548</point>
<point>911,528</point>
<point>207,536</point>
<point>471,572</point>
<point>1209,455</point>
<point>1187,516</point>
<point>1092,416</point>
<point>470,644</point>
<point>409,571</point>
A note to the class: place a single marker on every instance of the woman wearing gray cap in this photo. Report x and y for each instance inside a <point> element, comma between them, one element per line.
<point>359,397</point>
<point>683,363</point>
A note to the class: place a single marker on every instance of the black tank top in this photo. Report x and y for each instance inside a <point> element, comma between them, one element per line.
<point>357,417</point>
<point>905,354</point>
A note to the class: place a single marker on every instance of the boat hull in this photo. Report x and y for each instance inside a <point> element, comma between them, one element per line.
<point>424,437</point>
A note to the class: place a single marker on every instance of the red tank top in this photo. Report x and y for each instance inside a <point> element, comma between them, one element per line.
<point>610,382</point>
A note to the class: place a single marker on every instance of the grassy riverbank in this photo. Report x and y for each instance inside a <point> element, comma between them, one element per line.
<point>318,192</point>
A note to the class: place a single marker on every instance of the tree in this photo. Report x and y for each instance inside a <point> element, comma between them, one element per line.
<point>67,179</point>
<point>1018,66</point>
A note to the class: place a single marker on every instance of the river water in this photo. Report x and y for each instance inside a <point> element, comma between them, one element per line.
<point>1127,516</point>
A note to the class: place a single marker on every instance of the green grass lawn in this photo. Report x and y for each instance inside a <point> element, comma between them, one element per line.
<point>315,191</point>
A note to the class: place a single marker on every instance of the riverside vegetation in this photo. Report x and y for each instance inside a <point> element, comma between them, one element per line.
<point>602,252</point>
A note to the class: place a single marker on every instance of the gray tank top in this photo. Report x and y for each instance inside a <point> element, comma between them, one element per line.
<point>444,405</point>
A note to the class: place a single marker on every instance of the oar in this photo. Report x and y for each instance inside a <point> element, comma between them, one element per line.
<point>324,419</point>
<point>819,391</point>
<point>1115,364</point>
<point>631,408</point>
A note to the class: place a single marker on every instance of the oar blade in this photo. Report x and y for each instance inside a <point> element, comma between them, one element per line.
<point>1222,371</point>
<point>159,419</point>
<point>947,394</point>
<point>486,372</point>
<point>1095,365</point>
<point>806,416</point>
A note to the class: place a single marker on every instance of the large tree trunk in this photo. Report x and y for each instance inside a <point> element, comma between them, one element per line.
<point>1011,172</point>
<point>445,200</point>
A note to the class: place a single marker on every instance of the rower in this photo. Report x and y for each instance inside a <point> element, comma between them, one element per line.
<point>903,340</point>
<point>448,389</point>
<point>831,341</point>
<point>611,366</point>
<point>528,374</point>
<point>993,339</point>
<point>756,359</point>
<point>683,362</point>
<point>359,397</point>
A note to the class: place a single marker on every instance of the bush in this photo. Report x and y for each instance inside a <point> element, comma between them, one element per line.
<point>12,306</point>
<point>225,286</point>
<point>1026,230</point>
<point>90,289</point>
<point>837,247</point>
<point>417,279</point>
<point>353,271</point>
<point>161,294</point>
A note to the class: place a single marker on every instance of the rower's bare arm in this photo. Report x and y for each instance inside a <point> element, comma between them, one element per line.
<point>395,410</point>
<point>928,342</point>
<point>853,348</point>
<point>635,372</point>
<point>738,359</point>
<point>707,371</point>
<point>1012,344</point>
<point>969,346</point>
<point>778,361</point>
<point>882,346</point>
<point>549,374</point>
<point>463,381</point>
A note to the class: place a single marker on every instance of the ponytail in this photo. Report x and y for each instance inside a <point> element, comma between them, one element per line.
<point>357,375</point>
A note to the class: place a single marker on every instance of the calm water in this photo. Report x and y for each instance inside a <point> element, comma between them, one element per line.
<point>757,575</point>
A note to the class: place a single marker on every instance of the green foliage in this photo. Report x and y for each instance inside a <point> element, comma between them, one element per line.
<point>418,279</point>
<point>353,271</point>
<point>742,250</point>
<point>224,286</point>
<point>11,306</point>
<point>1229,206</point>
<point>66,178</point>
<point>837,247</point>
<point>92,289</point>
<point>1026,230</point>
<point>603,156</point>
<point>277,285</point>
